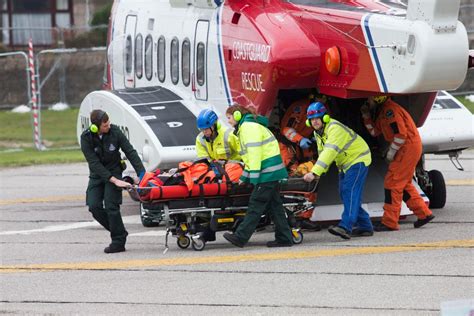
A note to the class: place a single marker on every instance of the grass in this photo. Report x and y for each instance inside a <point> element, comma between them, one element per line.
<point>58,129</point>
<point>31,156</point>
<point>468,104</point>
<point>58,133</point>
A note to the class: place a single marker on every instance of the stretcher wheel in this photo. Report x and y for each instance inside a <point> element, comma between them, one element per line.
<point>297,236</point>
<point>183,242</point>
<point>198,244</point>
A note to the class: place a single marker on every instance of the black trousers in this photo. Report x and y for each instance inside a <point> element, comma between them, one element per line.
<point>104,200</point>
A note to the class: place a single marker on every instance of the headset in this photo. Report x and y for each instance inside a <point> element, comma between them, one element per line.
<point>95,126</point>
<point>326,118</point>
<point>237,116</point>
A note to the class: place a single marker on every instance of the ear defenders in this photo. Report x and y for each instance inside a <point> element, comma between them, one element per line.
<point>95,126</point>
<point>237,116</point>
<point>325,119</point>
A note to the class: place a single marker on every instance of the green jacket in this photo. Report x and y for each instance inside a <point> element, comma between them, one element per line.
<point>260,151</point>
<point>224,147</point>
<point>103,155</point>
<point>340,144</point>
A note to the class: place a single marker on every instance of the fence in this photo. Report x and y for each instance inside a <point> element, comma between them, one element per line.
<point>53,37</point>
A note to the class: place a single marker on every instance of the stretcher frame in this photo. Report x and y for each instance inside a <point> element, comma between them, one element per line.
<point>294,202</point>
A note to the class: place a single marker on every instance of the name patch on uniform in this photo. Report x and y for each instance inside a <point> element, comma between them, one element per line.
<point>389,114</point>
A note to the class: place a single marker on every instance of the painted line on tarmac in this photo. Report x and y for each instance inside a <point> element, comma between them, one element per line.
<point>48,199</point>
<point>460,182</point>
<point>272,256</point>
<point>131,219</point>
<point>63,198</point>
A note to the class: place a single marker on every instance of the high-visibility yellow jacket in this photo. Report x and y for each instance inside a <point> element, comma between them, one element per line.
<point>341,144</point>
<point>224,147</point>
<point>260,151</point>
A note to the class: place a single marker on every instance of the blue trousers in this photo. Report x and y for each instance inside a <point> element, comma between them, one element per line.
<point>351,186</point>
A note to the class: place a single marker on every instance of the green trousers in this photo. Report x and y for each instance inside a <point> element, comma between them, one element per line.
<point>104,199</point>
<point>265,197</point>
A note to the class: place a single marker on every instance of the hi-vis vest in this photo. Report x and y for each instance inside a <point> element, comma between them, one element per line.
<point>224,147</point>
<point>340,144</point>
<point>260,152</point>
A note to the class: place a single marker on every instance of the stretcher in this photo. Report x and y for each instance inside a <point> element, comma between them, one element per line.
<point>217,206</point>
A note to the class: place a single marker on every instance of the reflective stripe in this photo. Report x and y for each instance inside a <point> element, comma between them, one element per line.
<point>322,164</point>
<point>203,143</point>
<point>258,144</point>
<point>335,147</point>
<point>226,142</point>
<point>254,175</point>
<point>343,127</point>
<point>291,135</point>
<point>400,141</point>
<point>394,146</point>
<point>350,143</point>
<point>361,155</point>
<point>273,168</point>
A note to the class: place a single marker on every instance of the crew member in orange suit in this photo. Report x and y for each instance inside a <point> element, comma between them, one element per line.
<point>404,152</point>
<point>297,149</point>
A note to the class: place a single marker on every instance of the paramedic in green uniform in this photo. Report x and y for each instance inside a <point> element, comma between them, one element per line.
<point>101,144</point>
<point>264,169</point>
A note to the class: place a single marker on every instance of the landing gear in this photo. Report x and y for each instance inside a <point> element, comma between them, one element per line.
<point>148,220</point>
<point>432,183</point>
<point>437,191</point>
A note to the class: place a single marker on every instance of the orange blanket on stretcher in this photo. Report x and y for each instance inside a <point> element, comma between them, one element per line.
<point>191,179</point>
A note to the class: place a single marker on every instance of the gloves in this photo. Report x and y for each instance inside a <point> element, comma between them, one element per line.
<point>305,143</point>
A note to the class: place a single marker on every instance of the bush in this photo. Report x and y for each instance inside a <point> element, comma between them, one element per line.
<point>102,16</point>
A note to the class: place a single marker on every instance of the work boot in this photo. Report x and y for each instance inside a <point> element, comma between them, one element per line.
<point>383,228</point>
<point>310,225</point>
<point>274,243</point>
<point>357,232</point>
<point>113,248</point>
<point>234,240</point>
<point>339,231</point>
<point>424,221</point>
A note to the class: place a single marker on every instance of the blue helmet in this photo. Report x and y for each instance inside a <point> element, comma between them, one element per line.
<point>206,119</point>
<point>316,109</point>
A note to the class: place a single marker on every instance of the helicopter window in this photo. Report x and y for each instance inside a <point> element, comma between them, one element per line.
<point>161,58</point>
<point>149,57</point>
<point>174,64</point>
<point>139,56</point>
<point>201,66</point>
<point>128,54</point>
<point>186,62</point>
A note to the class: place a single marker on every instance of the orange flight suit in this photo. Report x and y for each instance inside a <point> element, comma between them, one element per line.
<point>293,127</point>
<point>400,131</point>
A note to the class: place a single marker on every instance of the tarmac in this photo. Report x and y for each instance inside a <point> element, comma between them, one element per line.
<point>52,260</point>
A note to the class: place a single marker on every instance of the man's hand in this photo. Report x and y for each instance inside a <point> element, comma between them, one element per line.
<point>310,177</point>
<point>305,143</point>
<point>120,183</point>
